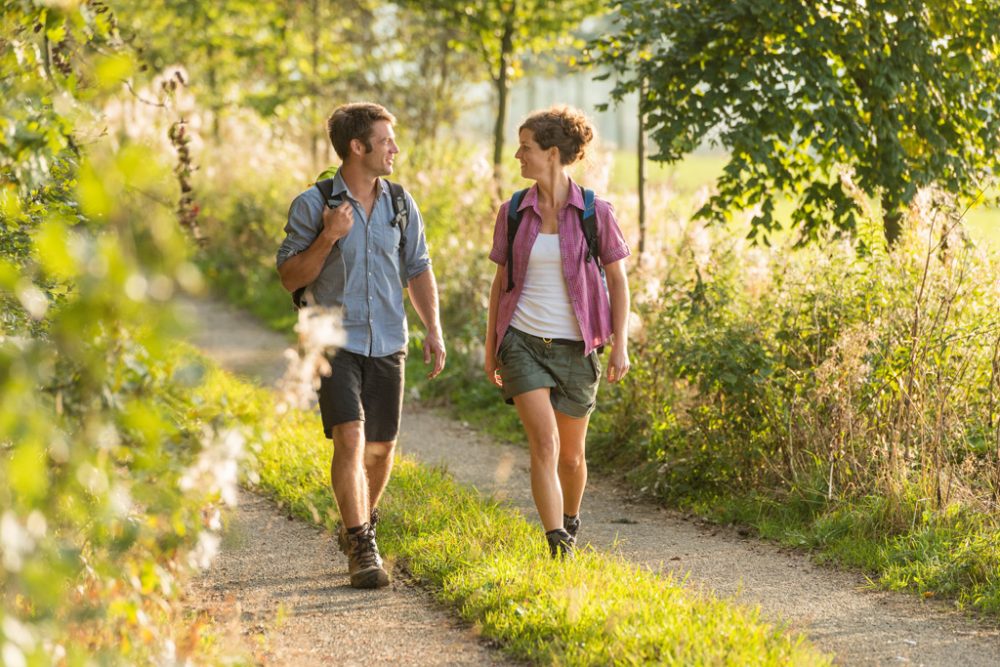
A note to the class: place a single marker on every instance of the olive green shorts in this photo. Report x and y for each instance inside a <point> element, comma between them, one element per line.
<point>528,362</point>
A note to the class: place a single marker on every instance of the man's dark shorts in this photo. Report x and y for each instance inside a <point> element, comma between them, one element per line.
<point>368,389</point>
<point>528,362</point>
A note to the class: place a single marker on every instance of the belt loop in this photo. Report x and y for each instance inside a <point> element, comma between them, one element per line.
<point>547,341</point>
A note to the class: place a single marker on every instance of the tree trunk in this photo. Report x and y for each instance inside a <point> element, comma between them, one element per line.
<point>892,222</point>
<point>215,104</point>
<point>315,137</point>
<point>641,150</point>
<point>443,92</point>
<point>503,91</point>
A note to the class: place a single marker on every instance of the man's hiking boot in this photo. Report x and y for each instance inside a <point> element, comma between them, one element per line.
<point>342,542</point>
<point>363,561</point>
<point>572,526</point>
<point>560,543</point>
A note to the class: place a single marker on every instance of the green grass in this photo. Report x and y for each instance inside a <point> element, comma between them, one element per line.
<point>685,176</point>
<point>492,567</point>
<point>953,554</point>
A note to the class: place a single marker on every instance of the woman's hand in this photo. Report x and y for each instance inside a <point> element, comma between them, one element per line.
<point>618,364</point>
<point>493,370</point>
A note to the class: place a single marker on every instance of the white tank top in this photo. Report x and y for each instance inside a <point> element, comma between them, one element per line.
<point>544,308</point>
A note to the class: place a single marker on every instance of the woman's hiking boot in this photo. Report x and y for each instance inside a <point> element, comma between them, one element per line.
<point>560,543</point>
<point>572,526</point>
<point>363,560</point>
<point>342,542</point>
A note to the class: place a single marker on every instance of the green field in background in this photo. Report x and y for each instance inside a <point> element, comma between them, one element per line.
<point>695,171</point>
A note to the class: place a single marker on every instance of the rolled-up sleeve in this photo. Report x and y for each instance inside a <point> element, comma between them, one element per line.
<point>305,216</point>
<point>498,254</point>
<point>416,256</point>
<point>611,241</point>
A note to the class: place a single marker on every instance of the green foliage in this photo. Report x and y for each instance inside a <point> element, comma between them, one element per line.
<point>502,33</point>
<point>491,565</point>
<point>818,360</point>
<point>303,59</point>
<point>107,503</point>
<point>41,87</point>
<point>900,94</point>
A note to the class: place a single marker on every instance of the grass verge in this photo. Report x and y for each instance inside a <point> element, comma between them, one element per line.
<point>952,555</point>
<point>490,564</point>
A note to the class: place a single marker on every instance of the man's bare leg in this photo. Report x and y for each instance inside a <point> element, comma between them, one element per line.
<point>347,473</point>
<point>378,467</point>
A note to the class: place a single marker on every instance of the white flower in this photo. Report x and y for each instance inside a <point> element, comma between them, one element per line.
<point>217,469</point>
<point>12,656</point>
<point>18,633</point>
<point>319,331</point>
<point>33,300</point>
<point>36,525</point>
<point>206,550</point>
<point>15,542</point>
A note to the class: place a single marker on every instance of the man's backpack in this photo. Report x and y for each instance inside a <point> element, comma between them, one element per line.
<point>588,221</point>
<point>400,218</point>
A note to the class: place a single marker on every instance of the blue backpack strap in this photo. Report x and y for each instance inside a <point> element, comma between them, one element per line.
<point>588,221</point>
<point>513,222</point>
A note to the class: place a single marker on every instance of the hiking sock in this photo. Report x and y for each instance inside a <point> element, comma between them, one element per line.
<point>572,524</point>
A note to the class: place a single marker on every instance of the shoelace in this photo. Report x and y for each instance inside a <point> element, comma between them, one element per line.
<point>365,548</point>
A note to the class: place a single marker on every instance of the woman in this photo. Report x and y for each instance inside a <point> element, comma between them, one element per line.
<point>551,311</point>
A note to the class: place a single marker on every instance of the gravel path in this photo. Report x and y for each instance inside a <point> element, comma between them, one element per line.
<point>279,588</point>
<point>836,609</point>
<point>282,586</point>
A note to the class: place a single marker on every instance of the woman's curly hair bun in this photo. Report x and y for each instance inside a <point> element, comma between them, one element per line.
<point>562,126</point>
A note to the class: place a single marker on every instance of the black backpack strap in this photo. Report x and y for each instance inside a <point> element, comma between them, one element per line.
<point>513,222</point>
<point>400,212</point>
<point>400,219</point>
<point>588,221</point>
<point>325,188</point>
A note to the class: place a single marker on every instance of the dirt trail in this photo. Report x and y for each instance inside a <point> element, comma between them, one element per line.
<point>837,610</point>
<point>279,588</point>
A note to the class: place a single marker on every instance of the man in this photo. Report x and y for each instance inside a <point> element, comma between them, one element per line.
<point>350,257</point>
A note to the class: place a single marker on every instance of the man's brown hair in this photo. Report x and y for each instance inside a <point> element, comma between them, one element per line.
<point>354,121</point>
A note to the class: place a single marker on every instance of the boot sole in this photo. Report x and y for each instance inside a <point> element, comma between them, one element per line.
<point>374,577</point>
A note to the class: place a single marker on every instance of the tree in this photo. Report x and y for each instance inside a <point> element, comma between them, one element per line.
<point>291,62</point>
<point>501,33</point>
<point>903,93</point>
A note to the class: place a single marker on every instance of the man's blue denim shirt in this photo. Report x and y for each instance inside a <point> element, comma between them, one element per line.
<point>362,273</point>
